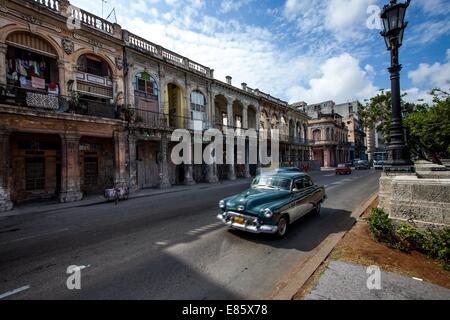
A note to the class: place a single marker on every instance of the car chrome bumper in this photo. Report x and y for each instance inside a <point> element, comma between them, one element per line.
<point>246,227</point>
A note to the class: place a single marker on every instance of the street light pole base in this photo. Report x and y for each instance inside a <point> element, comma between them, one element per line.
<point>399,169</point>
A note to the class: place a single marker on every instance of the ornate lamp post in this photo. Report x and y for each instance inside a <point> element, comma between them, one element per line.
<point>393,16</point>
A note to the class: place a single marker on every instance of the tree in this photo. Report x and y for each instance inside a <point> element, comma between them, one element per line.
<point>377,114</point>
<point>428,128</point>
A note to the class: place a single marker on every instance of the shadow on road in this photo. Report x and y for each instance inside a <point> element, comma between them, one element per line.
<point>306,233</point>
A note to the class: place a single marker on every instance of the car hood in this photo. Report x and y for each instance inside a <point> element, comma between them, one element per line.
<point>253,200</point>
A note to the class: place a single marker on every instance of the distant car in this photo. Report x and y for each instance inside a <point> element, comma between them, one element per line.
<point>362,165</point>
<point>343,168</point>
<point>273,202</point>
<point>378,164</point>
<point>287,169</point>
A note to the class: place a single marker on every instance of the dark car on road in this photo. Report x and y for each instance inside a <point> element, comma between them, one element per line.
<point>362,165</point>
<point>343,168</point>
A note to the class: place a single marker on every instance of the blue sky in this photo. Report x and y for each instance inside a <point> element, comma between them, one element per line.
<point>297,50</point>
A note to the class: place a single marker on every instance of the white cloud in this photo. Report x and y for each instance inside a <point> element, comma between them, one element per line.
<point>434,7</point>
<point>415,95</point>
<point>232,5</point>
<point>435,75</point>
<point>342,79</point>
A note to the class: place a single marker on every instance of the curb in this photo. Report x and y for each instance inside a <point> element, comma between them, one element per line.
<point>306,268</point>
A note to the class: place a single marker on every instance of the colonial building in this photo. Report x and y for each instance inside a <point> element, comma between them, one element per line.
<point>330,139</point>
<point>85,105</point>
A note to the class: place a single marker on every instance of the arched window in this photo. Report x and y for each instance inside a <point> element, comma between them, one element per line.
<point>317,135</point>
<point>94,65</point>
<point>146,84</point>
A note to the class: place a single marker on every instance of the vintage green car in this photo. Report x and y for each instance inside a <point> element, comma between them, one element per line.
<point>274,201</point>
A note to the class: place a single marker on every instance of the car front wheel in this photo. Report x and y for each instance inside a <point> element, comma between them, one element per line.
<point>317,208</point>
<point>282,227</point>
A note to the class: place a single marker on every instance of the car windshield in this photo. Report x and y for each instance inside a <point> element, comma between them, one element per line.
<point>269,182</point>
<point>342,165</point>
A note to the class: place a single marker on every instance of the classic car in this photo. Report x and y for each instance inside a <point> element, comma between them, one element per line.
<point>362,165</point>
<point>343,168</point>
<point>273,202</point>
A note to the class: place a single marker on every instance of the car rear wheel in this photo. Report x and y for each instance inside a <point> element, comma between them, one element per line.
<point>282,227</point>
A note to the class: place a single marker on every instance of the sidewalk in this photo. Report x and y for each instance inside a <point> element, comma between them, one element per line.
<point>347,281</point>
<point>343,273</point>
<point>53,205</point>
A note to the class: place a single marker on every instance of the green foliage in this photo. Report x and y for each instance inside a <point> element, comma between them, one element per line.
<point>381,226</point>
<point>436,244</point>
<point>406,237</point>
<point>409,238</point>
<point>429,129</point>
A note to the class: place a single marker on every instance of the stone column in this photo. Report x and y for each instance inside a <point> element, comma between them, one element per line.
<point>5,197</point>
<point>120,162</point>
<point>62,77</point>
<point>163,165</point>
<point>247,160</point>
<point>211,173</point>
<point>132,167</point>
<point>70,167</point>
<point>230,114</point>
<point>3,49</point>
<point>326,157</point>
<point>245,117</point>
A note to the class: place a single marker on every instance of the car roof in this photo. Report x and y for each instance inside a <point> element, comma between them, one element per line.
<point>290,175</point>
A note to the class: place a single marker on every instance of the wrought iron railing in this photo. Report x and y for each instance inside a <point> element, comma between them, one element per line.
<point>44,101</point>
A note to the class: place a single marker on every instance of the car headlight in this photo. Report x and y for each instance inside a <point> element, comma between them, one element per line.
<point>222,204</point>
<point>267,213</point>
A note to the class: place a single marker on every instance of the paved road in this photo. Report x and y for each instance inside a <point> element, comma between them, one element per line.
<point>165,246</point>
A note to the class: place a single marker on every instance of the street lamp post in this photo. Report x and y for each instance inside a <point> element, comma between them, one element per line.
<point>393,16</point>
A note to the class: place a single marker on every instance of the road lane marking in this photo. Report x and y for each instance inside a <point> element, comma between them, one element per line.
<point>10,293</point>
<point>35,236</point>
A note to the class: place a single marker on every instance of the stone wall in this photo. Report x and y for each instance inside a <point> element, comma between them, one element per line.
<point>408,197</point>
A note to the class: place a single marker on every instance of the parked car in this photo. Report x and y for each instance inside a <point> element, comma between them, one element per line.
<point>273,202</point>
<point>343,168</point>
<point>378,165</point>
<point>288,169</point>
<point>362,165</point>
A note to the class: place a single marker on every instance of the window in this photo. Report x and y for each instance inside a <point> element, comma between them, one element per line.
<point>198,101</point>
<point>35,173</point>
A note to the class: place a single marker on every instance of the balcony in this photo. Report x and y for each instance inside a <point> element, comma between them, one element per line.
<point>40,100</point>
<point>147,47</point>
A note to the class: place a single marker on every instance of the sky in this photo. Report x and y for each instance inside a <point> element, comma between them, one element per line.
<point>296,50</point>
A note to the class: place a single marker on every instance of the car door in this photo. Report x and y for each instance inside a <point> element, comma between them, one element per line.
<point>300,199</point>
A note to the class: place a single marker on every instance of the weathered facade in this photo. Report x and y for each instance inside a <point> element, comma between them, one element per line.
<point>85,105</point>
<point>330,140</point>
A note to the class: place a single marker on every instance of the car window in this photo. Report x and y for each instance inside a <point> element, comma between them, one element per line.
<point>269,182</point>
<point>298,184</point>
<point>307,182</point>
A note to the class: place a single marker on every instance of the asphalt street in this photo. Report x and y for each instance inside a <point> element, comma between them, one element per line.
<point>167,246</point>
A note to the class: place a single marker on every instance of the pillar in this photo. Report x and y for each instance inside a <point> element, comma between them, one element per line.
<point>3,49</point>
<point>70,167</point>
<point>211,173</point>
<point>132,160</point>
<point>120,162</point>
<point>163,165</point>
<point>245,117</point>
<point>326,157</point>
<point>62,77</point>
<point>5,197</point>
<point>247,160</point>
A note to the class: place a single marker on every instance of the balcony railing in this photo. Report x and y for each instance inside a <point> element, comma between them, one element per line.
<point>50,4</point>
<point>43,101</point>
<point>149,47</point>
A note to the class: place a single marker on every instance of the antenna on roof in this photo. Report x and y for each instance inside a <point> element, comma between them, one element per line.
<point>103,2</point>
<point>115,17</point>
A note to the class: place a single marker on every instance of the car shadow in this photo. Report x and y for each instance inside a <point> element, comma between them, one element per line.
<point>306,233</point>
